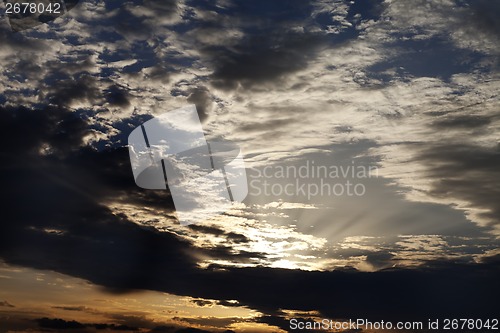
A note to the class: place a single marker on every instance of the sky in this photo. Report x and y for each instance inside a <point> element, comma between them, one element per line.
<point>370,132</point>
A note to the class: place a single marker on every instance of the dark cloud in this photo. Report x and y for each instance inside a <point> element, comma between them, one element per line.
<point>25,68</point>
<point>6,304</point>
<point>172,329</point>
<point>228,303</point>
<point>159,73</point>
<point>201,302</point>
<point>191,330</point>
<point>467,173</point>
<point>367,10</point>
<point>131,320</point>
<point>72,308</point>
<point>19,42</point>
<point>231,236</point>
<point>70,4</point>
<point>130,24</point>
<point>379,260</point>
<point>267,126</point>
<point>482,16</point>
<point>492,259</point>
<point>82,87</point>
<point>269,48</point>
<point>50,138</point>
<point>275,321</point>
<point>262,59</point>
<point>462,122</point>
<point>259,15</point>
<point>282,322</point>
<point>209,321</point>
<point>237,238</point>
<point>163,329</point>
<point>28,130</point>
<point>119,319</point>
<point>64,191</point>
<point>206,229</point>
<point>61,324</point>
<point>11,323</point>
<point>376,295</point>
<point>117,96</point>
<point>203,100</point>
<point>226,252</point>
<point>16,323</point>
<point>127,322</point>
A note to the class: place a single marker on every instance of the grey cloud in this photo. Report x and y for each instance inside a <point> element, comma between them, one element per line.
<point>206,229</point>
<point>203,100</point>
<point>82,87</point>
<point>117,96</point>
<point>211,321</point>
<point>27,130</point>
<point>19,42</point>
<point>120,324</point>
<point>227,303</point>
<point>59,324</point>
<point>25,67</point>
<point>492,259</point>
<point>482,16</point>
<point>237,238</point>
<point>72,325</point>
<point>277,320</point>
<point>160,73</point>
<point>465,172</point>
<point>191,330</point>
<point>462,122</point>
<point>228,253</point>
<point>266,126</point>
<point>262,59</point>
<point>201,302</point>
<point>134,25</point>
<point>172,329</point>
<point>266,45</point>
<point>379,260</point>
<point>73,308</point>
<point>6,304</point>
<point>231,236</point>
<point>116,323</point>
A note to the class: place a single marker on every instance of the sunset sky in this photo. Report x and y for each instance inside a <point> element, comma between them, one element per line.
<point>407,89</point>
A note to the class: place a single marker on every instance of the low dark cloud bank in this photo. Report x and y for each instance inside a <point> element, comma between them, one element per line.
<point>57,325</point>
